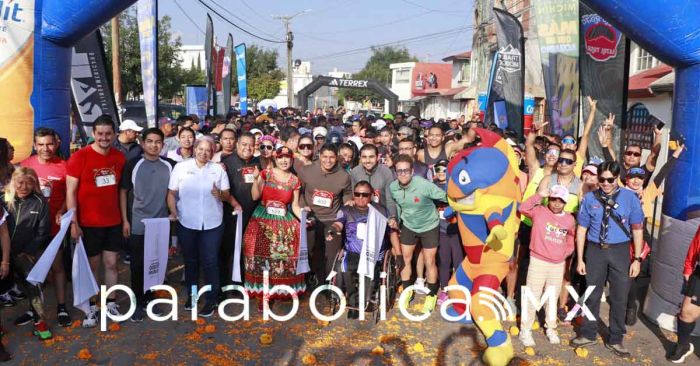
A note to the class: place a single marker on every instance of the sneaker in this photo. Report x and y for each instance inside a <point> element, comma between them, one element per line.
<point>26,318</point>
<point>442,297</point>
<point>407,302</point>
<point>561,315</point>
<point>552,336</point>
<point>526,338</point>
<point>429,304</point>
<point>582,342</point>
<point>680,353</point>
<point>631,315</point>
<point>188,303</point>
<point>419,286</point>
<point>90,320</point>
<point>207,311</point>
<point>16,293</point>
<point>126,259</point>
<point>42,331</point>
<point>156,310</point>
<point>618,349</point>
<point>113,309</point>
<point>511,303</point>
<point>7,301</point>
<point>353,314</point>
<point>63,316</point>
<point>137,317</point>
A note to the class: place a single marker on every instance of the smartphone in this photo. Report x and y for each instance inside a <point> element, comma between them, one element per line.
<point>660,125</point>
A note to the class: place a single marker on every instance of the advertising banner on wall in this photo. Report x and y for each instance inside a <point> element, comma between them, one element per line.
<point>196,100</point>
<point>147,18</point>
<point>242,82</point>
<point>90,87</point>
<point>430,76</point>
<point>603,76</point>
<point>558,35</point>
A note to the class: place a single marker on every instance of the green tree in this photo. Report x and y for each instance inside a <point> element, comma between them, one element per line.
<point>377,68</point>
<point>171,76</point>
<point>263,74</point>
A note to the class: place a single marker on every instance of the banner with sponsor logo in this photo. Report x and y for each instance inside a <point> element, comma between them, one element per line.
<point>505,101</point>
<point>558,35</point>
<point>226,76</point>
<point>196,100</point>
<point>155,252</point>
<point>241,73</point>
<point>147,18</point>
<point>91,88</point>
<point>209,61</point>
<point>604,51</point>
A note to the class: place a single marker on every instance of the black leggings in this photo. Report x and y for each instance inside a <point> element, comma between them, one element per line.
<point>22,264</point>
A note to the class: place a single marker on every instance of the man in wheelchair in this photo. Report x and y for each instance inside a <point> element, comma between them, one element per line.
<point>352,222</point>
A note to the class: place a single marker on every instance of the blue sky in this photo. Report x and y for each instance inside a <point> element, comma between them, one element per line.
<point>333,27</point>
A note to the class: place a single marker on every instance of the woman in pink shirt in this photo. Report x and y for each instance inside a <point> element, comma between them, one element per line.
<point>551,242</point>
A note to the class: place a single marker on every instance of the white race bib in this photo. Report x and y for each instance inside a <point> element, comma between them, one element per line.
<point>441,211</point>
<point>46,191</point>
<point>105,180</point>
<point>322,198</point>
<point>248,176</point>
<point>361,230</point>
<point>276,208</point>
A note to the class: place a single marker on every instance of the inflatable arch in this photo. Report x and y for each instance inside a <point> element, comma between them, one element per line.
<point>36,42</point>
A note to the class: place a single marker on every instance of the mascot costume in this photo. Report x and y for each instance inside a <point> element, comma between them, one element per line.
<point>484,195</point>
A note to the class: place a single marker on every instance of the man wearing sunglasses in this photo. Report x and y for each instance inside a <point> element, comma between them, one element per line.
<point>408,147</point>
<point>378,175</point>
<point>605,220</point>
<point>419,220</point>
<point>633,158</point>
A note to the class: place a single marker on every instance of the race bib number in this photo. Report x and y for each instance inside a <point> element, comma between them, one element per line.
<point>46,191</point>
<point>361,230</point>
<point>322,198</point>
<point>276,208</point>
<point>376,196</point>
<point>441,211</point>
<point>248,176</point>
<point>105,180</point>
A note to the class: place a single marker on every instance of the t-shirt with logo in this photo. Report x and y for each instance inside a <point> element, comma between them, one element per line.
<point>52,181</point>
<point>552,238</point>
<point>98,187</point>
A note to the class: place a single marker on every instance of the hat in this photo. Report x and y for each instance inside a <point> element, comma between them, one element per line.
<point>442,162</point>
<point>216,137</point>
<point>335,137</point>
<point>410,118</point>
<point>164,121</point>
<point>379,124</point>
<point>559,191</point>
<point>426,124</point>
<point>284,151</point>
<point>256,131</point>
<point>129,124</point>
<point>388,116</point>
<point>636,172</point>
<point>304,131</point>
<point>591,168</point>
<point>320,131</point>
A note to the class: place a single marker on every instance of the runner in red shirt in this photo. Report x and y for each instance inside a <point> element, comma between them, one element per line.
<point>51,171</point>
<point>92,183</point>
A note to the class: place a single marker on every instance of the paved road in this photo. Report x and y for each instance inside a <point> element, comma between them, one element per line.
<point>396,341</point>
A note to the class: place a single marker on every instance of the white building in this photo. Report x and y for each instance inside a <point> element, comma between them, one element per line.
<point>301,77</point>
<point>192,55</point>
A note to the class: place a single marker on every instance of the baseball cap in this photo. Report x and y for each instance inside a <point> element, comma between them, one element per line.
<point>304,130</point>
<point>591,168</point>
<point>335,137</point>
<point>379,124</point>
<point>256,131</point>
<point>442,162</point>
<point>388,116</point>
<point>320,131</point>
<point>165,120</point>
<point>559,191</point>
<point>636,172</point>
<point>129,124</point>
<point>410,118</point>
<point>426,123</point>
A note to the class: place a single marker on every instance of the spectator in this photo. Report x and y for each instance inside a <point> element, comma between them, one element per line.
<point>186,138</point>
<point>126,141</point>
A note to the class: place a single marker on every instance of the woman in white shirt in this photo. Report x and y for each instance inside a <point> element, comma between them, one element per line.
<point>196,192</point>
<point>186,138</point>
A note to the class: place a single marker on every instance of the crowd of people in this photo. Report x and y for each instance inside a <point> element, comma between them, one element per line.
<point>580,217</point>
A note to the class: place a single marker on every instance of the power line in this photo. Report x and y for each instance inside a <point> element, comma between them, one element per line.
<point>188,17</point>
<point>241,19</point>
<point>255,11</point>
<point>432,10</point>
<point>237,26</point>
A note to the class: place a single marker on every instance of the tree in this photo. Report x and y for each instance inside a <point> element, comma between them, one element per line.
<point>377,68</point>
<point>171,76</point>
<point>263,74</point>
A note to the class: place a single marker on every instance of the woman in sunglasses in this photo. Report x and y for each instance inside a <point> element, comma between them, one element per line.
<point>304,155</point>
<point>272,236</point>
<point>267,149</point>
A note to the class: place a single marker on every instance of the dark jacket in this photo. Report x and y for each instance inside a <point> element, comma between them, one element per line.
<point>29,224</point>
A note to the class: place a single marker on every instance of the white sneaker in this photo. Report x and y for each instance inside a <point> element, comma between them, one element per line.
<point>552,336</point>
<point>113,309</point>
<point>90,320</point>
<point>526,338</point>
<point>419,286</point>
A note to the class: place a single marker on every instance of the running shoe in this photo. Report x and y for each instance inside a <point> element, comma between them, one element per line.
<point>26,318</point>
<point>526,339</point>
<point>63,316</point>
<point>442,297</point>
<point>137,317</point>
<point>553,336</point>
<point>208,310</point>
<point>90,320</point>
<point>429,304</point>
<point>16,293</point>
<point>680,353</point>
<point>419,286</point>
<point>42,331</point>
<point>407,299</point>
<point>113,309</point>
<point>7,301</point>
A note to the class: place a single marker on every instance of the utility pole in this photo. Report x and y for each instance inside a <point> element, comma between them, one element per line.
<point>290,44</point>
<point>116,65</point>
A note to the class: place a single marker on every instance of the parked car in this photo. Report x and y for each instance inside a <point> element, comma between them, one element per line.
<point>137,112</point>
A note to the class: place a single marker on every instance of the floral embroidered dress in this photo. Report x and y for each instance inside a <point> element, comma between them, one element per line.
<point>272,239</point>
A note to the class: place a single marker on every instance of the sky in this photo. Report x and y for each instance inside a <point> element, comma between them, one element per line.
<point>333,33</point>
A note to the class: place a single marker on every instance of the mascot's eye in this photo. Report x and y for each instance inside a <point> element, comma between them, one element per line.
<point>464,177</point>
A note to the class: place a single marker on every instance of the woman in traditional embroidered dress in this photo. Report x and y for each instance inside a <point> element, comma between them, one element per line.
<point>272,236</point>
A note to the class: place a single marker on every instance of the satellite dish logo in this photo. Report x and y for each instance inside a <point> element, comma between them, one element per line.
<point>497,303</point>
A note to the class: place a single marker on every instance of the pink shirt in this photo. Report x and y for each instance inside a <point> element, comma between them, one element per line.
<point>552,237</point>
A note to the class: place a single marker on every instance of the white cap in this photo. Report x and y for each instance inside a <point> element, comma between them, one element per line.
<point>129,124</point>
<point>379,124</point>
<point>255,130</point>
<point>320,131</point>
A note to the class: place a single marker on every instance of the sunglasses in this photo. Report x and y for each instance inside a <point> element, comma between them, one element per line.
<point>553,152</point>
<point>362,194</point>
<point>568,141</point>
<point>440,169</point>
<point>633,153</point>
<point>267,147</point>
<point>320,137</point>
<point>608,180</point>
<point>403,171</point>
<point>565,161</point>
<point>306,147</point>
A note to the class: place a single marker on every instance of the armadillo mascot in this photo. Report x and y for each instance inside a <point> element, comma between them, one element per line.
<point>483,194</point>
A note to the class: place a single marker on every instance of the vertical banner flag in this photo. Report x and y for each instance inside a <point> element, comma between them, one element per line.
<point>493,93</point>
<point>38,273</point>
<point>604,51</point>
<point>303,259</point>
<point>558,33</point>
<point>226,75</point>
<point>242,83</point>
<point>208,49</point>
<point>147,17</point>
<point>84,284</point>
<point>90,87</point>
<point>219,105</point>
<point>155,251</point>
<point>236,273</point>
<point>510,72</point>
<point>196,100</point>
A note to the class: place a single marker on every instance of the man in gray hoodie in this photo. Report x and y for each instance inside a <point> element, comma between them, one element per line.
<point>378,175</point>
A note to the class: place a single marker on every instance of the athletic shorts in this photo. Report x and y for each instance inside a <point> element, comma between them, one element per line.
<point>692,289</point>
<point>429,239</point>
<point>99,239</point>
